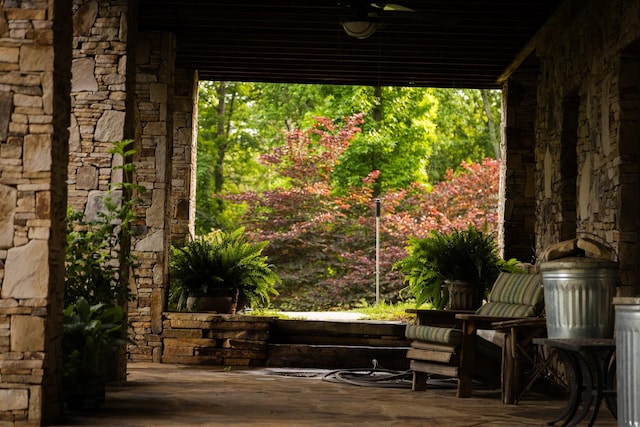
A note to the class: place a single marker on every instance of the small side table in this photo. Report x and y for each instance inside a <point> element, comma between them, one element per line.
<point>591,366</point>
<point>519,334</point>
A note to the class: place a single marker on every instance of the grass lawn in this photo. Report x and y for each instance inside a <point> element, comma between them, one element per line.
<point>382,311</point>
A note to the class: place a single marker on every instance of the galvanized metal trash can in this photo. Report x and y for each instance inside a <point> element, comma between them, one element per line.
<point>627,318</point>
<point>578,297</point>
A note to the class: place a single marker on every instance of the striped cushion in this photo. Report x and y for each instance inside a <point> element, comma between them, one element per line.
<point>434,334</point>
<point>513,288</point>
<point>507,310</point>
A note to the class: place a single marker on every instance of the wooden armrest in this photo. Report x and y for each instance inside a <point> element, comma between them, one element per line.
<point>522,322</point>
<point>482,322</point>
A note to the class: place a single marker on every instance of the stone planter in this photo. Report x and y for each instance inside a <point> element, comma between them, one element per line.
<point>464,295</point>
<point>627,316</point>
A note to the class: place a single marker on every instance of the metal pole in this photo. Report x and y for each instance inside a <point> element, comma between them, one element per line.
<point>377,251</point>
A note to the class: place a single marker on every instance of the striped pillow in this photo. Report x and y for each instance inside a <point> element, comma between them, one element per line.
<point>502,309</point>
<point>515,289</point>
<point>434,334</point>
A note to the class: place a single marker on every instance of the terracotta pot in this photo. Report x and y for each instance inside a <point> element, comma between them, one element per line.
<point>464,295</point>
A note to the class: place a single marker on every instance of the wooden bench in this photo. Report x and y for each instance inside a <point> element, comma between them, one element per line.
<point>447,343</point>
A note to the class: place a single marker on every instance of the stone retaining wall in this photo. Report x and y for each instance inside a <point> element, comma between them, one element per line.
<point>215,339</point>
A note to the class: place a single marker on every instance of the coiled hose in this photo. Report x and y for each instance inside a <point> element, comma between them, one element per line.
<point>377,376</point>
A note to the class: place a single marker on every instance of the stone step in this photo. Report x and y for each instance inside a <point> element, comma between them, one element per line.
<point>336,356</point>
<point>313,328</point>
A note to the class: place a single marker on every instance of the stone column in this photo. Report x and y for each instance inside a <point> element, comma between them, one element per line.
<point>154,142</point>
<point>185,132</point>
<point>629,171</point>
<point>102,111</point>
<point>102,96</point>
<point>35,70</point>
<point>517,188</point>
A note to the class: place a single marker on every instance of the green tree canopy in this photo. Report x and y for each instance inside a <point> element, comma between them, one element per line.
<point>408,135</point>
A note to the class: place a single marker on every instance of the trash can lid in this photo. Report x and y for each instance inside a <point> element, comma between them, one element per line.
<point>578,263</point>
<point>626,300</point>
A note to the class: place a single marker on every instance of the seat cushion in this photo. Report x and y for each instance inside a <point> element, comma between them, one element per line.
<point>434,334</point>
<point>502,309</point>
<point>524,291</point>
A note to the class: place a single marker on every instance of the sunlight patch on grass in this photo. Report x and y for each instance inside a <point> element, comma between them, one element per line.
<point>385,311</point>
<point>382,311</point>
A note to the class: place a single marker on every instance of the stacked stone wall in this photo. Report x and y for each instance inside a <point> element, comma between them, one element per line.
<point>215,339</point>
<point>101,104</point>
<point>184,156</point>
<point>580,57</point>
<point>35,65</point>
<point>517,192</point>
<point>154,143</point>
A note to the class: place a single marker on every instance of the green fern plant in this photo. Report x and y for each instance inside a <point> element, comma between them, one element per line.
<point>469,255</point>
<point>220,262</point>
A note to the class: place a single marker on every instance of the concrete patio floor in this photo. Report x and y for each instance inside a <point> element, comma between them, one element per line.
<point>173,395</point>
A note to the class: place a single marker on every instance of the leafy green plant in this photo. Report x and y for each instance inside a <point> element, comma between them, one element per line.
<point>222,261</point>
<point>98,262</point>
<point>469,255</point>
<point>98,257</point>
<point>89,330</point>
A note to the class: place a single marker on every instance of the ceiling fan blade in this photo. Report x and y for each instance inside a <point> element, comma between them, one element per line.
<point>392,7</point>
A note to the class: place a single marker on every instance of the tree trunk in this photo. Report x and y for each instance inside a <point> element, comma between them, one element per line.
<point>490,124</point>
<point>223,128</point>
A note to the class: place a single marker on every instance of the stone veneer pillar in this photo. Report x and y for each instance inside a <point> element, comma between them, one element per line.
<point>154,143</point>
<point>183,181</point>
<point>35,70</point>
<point>102,113</point>
<point>103,75</point>
<point>583,56</point>
<point>517,186</point>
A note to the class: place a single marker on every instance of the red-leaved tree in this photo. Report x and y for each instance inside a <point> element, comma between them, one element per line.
<point>323,245</point>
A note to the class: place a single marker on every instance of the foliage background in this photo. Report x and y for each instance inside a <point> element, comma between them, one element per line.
<point>301,166</point>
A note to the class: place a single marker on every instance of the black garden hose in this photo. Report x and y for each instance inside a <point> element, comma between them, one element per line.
<point>374,377</point>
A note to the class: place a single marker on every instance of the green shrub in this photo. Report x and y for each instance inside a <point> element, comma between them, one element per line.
<point>469,255</point>
<point>222,261</point>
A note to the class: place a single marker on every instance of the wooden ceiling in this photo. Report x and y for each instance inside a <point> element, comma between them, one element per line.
<point>444,43</point>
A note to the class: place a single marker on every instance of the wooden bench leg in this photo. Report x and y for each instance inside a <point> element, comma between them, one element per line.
<point>467,359</point>
<point>510,370</point>
<point>419,381</point>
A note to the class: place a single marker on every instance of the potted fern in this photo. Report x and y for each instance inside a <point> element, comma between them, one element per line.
<point>222,269</point>
<point>455,269</point>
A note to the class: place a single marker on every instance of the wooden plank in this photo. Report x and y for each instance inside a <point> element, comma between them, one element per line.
<point>423,345</point>
<point>434,368</point>
<point>433,356</point>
